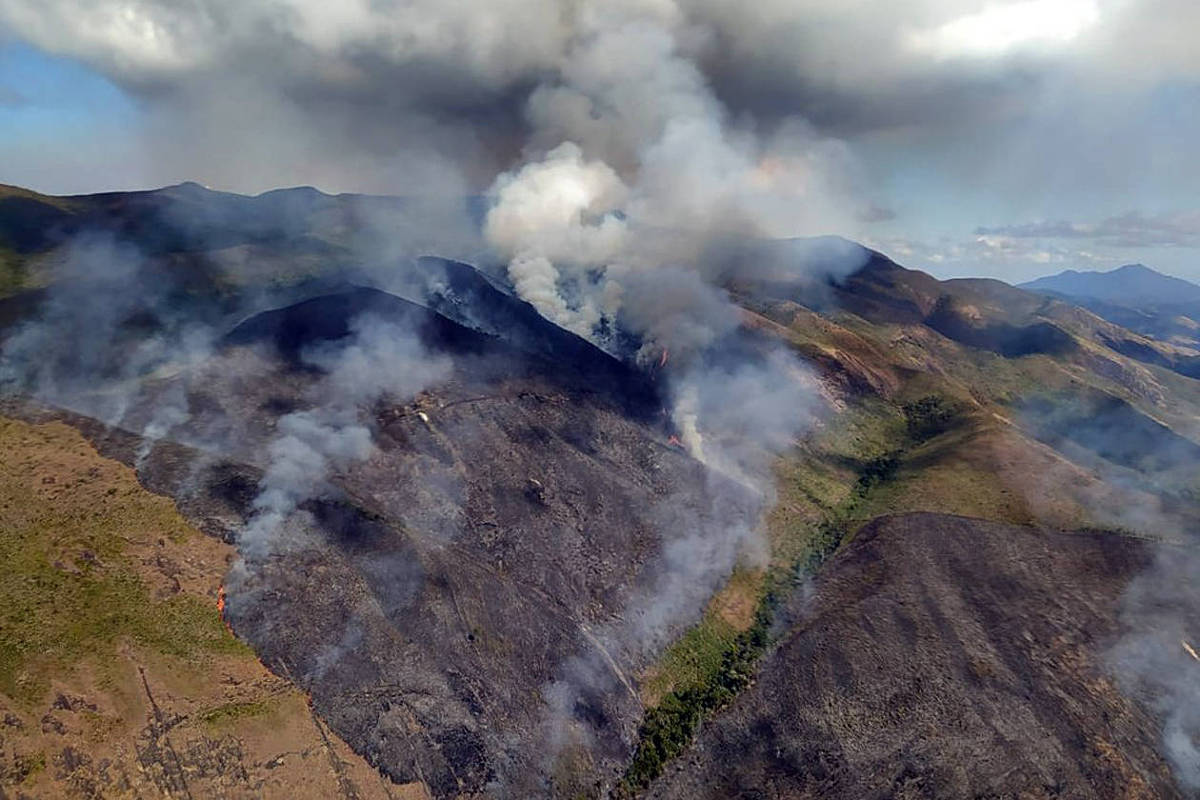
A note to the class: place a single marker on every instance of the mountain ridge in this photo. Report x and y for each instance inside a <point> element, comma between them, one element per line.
<point>1130,284</point>
<point>501,523</point>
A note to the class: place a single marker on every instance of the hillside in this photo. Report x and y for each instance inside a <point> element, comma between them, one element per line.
<point>1135,297</point>
<point>508,575</point>
<point>863,698</point>
<point>118,676</point>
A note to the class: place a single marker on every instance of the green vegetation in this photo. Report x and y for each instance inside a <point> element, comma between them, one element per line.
<point>691,659</point>
<point>826,488</point>
<point>61,203</point>
<point>697,655</point>
<point>231,712</point>
<point>69,587</point>
<point>928,417</point>
<point>668,727</point>
<point>53,617</point>
<point>12,272</point>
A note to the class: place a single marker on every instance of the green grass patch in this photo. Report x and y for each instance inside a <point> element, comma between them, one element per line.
<point>232,712</point>
<point>824,490</point>
<point>693,658</point>
<point>54,617</point>
<point>696,657</point>
<point>930,416</point>
<point>669,727</point>
<point>12,272</point>
<point>68,589</point>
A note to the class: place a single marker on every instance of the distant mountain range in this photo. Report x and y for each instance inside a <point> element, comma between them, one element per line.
<point>1133,296</point>
<point>465,596</point>
<point>1127,285</point>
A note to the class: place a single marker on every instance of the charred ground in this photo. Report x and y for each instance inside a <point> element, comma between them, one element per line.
<point>942,656</point>
<point>492,542</point>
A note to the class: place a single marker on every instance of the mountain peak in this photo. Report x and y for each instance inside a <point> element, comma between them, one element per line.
<point>1128,284</point>
<point>187,186</point>
<point>1138,268</point>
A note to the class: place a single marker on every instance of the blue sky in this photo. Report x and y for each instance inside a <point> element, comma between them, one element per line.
<point>1008,138</point>
<point>63,126</point>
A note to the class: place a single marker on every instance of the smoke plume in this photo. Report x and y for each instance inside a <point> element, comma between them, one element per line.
<point>380,358</point>
<point>635,165</point>
<point>111,327</point>
<point>1157,660</point>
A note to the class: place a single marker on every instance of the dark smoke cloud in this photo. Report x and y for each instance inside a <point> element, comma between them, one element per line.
<point>466,61</point>
<point>627,151</point>
<point>981,100</point>
<point>363,94</point>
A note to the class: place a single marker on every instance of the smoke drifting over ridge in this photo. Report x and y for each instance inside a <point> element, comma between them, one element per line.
<point>635,175</point>
<point>955,106</point>
<point>107,324</point>
<point>625,183</point>
<point>644,167</point>
<point>607,229</point>
<point>629,174</point>
<point>610,230</point>
<point>381,358</point>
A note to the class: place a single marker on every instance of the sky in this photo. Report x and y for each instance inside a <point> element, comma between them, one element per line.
<point>962,137</point>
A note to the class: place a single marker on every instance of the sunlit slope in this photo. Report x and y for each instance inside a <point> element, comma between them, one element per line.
<point>117,674</point>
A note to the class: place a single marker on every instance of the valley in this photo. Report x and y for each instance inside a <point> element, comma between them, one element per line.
<point>511,575</point>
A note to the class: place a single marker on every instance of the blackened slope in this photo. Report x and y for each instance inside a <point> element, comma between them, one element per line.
<point>943,657</point>
<point>467,296</point>
<point>459,570</point>
<point>329,317</point>
<point>534,343</point>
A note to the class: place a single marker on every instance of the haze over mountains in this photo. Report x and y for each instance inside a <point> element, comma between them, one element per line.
<point>817,524</point>
<point>577,425</point>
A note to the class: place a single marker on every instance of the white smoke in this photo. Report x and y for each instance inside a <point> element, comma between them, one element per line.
<point>110,331</point>
<point>642,167</point>
<point>561,207</point>
<point>636,171</point>
<point>381,359</point>
<point>1160,609</point>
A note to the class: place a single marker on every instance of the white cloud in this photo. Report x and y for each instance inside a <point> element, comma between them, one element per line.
<point>998,29</point>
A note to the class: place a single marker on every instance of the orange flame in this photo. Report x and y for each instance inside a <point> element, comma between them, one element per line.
<point>221,607</point>
<point>662,362</point>
<point>674,442</point>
